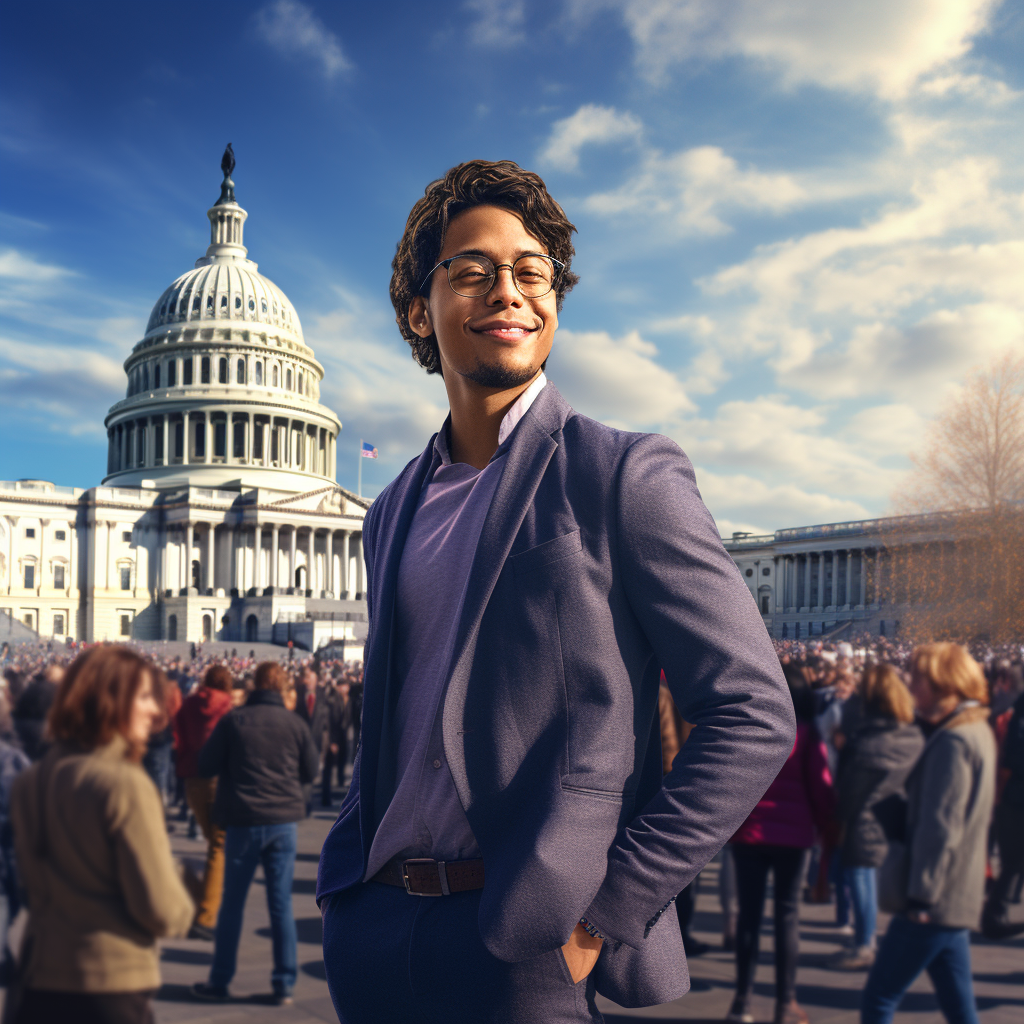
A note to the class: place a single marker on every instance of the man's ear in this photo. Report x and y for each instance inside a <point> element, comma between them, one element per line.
<point>419,317</point>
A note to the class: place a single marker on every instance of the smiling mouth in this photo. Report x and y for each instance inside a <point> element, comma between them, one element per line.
<point>510,333</point>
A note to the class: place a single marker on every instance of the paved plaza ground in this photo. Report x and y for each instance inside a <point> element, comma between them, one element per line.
<point>830,997</point>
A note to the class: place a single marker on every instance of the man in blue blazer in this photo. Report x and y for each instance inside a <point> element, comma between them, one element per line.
<point>531,574</point>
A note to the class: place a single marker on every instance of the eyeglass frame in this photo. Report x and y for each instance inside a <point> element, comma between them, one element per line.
<point>559,266</point>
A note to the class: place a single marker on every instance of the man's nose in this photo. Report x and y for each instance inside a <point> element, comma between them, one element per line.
<point>504,290</point>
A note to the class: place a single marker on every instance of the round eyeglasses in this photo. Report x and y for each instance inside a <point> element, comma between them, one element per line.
<point>472,276</point>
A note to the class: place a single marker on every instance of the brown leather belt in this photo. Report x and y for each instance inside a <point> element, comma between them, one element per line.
<point>424,877</point>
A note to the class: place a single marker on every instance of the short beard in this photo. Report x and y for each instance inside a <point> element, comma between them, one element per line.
<point>501,378</point>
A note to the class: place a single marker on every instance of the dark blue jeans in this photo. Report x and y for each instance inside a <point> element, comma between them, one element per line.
<point>273,846</point>
<point>908,949</point>
<point>408,959</point>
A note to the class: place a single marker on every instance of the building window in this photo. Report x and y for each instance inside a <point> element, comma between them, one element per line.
<point>238,302</point>
<point>126,536</point>
<point>263,305</point>
<point>764,604</point>
<point>60,535</point>
<point>273,445</point>
<point>58,624</point>
<point>58,581</point>
<point>223,371</point>
<point>200,440</point>
<point>204,370</point>
<point>300,384</point>
<point>220,430</point>
<point>30,531</point>
<point>126,577</point>
<point>259,373</point>
<point>30,577</point>
<point>240,372</point>
<point>159,443</point>
<point>186,372</point>
<point>126,625</point>
<point>257,442</point>
<point>223,302</point>
<point>238,447</point>
<point>145,378</point>
<point>172,373</point>
<point>179,440</point>
<point>749,572</point>
<point>288,380</point>
<point>766,572</point>
<point>195,304</point>
<point>156,376</point>
<point>275,377</point>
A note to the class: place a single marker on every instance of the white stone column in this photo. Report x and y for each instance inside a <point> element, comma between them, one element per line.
<point>362,567</point>
<point>265,433</point>
<point>233,576</point>
<point>164,540</point>
<point>184,438</point>
<point>329,562</point>
<point>72,559</point>
<point>43,575</point>
<point>807,581</point>
<point>110,553</point>
<point>849,578</point>
<point>190,538</point>
<point>310,563</point>
<point>343,582</point>
<point>210,581</point>
<point>862,596</point>
<point>165,455</point>
<point>275,553</point>
<point>291,556</point>
<point>835,579</point>
<point>250,446</point>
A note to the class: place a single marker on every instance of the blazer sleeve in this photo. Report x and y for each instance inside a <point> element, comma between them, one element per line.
<point>721,668</point>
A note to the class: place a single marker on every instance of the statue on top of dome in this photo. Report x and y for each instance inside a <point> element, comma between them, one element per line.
<point>227,188</point>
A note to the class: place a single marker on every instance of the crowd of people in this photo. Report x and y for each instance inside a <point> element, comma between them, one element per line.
<point>904,793</point>
<point>99,748</point>
<point>903,753</point>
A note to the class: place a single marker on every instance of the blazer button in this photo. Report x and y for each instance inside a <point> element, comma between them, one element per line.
<point>437,763</point>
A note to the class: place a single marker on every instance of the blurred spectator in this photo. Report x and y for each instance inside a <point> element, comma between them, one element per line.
<point>874,764</point>
<point>93,853</point>
<point>776,837</point>
<point>934,881</point>
<point>31,710</point>
<point>336,753</point>
<point>1009,829</point>
<point>12,763</point>
<point>262,754</point>
<point>157,759</point>
<point>199,713</point>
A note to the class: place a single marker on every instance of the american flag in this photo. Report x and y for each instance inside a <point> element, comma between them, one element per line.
<point>368,452</point>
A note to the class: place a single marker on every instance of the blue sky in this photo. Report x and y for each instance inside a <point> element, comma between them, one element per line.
<point>800,224</point>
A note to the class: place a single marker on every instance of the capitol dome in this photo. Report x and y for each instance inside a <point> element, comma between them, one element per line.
<point>222,388</point>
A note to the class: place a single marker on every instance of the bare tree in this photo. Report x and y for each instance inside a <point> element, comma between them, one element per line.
<point>959,572</point>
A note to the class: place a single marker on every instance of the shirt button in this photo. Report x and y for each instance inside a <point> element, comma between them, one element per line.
<point>437,763</point>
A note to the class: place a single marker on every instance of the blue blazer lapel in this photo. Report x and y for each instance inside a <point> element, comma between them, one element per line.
<point>529,453</point>
<point>394,528</point>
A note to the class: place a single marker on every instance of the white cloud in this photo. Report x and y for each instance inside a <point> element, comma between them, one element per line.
<point>294,30</point>
<point>688,191</point>
<point>18,266</point>
<point>590,125</point>
<point>617,380</point>
<point>499,22</point>
<point>871,45</point>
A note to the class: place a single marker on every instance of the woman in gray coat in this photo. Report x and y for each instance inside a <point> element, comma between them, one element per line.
<point>934,882</point>
<point>874,765</point>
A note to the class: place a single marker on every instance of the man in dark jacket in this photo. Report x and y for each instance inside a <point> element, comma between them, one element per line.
<point>1009,821</point>
<point>262,755</point>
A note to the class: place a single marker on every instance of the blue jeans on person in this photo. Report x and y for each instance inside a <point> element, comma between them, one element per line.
<point>908,949</point>
<point>863,886</point>
<point>157,763</point>
<point>273,846</point>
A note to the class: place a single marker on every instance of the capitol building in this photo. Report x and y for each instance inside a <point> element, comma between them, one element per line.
<point>220,517</point>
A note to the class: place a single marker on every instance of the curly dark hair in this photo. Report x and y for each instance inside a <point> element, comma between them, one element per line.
<point>473,183</point>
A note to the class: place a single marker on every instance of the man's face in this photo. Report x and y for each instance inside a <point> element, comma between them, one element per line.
<point>498,340</point>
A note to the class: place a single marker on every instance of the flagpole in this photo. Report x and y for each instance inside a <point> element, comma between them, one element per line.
<point>359,486</point>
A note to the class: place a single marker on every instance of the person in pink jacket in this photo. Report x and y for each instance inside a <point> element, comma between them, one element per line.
<point>798,808</point>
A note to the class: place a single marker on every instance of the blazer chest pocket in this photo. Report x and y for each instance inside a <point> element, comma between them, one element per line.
<point>553,550</point>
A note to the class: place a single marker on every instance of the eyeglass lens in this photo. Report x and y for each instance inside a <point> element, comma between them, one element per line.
<point>474,275</point>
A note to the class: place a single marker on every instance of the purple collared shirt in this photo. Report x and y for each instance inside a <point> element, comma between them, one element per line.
<point>425,817</point>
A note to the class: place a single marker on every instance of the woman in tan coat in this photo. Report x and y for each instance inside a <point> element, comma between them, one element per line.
<point>93,853</point>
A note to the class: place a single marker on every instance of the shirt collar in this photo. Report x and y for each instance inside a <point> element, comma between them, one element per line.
<point>509,421</point>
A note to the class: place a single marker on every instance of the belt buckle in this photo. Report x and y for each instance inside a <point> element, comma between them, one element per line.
<point>442,877</point>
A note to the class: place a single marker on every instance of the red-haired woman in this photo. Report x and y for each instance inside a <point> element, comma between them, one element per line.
<point>93,852</point>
